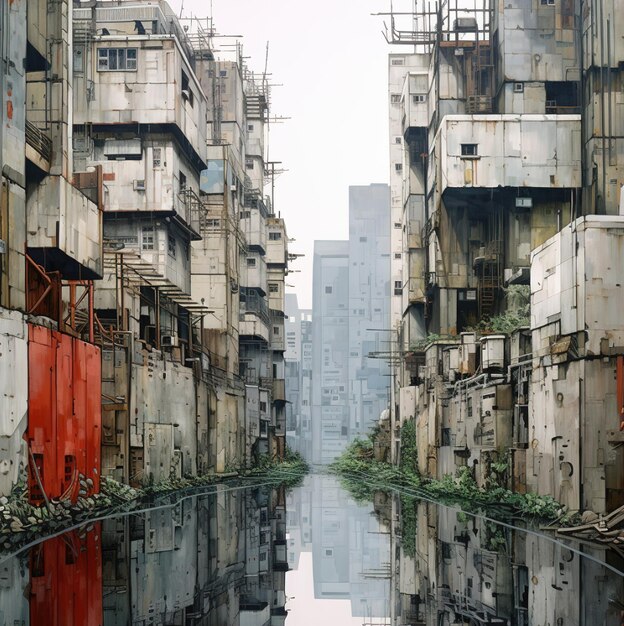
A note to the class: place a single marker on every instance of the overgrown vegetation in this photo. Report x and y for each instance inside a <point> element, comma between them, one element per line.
<point>517,314</point>
<point>22,522</point>
<point>362,476</point>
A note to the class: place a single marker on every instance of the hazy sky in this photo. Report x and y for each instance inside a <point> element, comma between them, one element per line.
<point>330,58</point>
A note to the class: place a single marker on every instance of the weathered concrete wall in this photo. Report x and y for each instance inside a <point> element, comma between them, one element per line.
<point>163,417</point>
<point>13,398</point>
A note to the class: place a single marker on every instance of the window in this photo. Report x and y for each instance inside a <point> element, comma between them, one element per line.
<point>329,552</point>
<point>250,127</point>
<point>273,288</point>
<point>397,140</point>
<point>147,238</point>
<point>117,59</point>
<point>469,149</point>
<point>182,180</point>
<point>157,157</point>
<point>548,2</point>
<point>397,255</point>
<point>398,167</point>
<point>223,73</point>
<point>275,236</point>
<point>251,262</point>
<point>363,239</point>
<point>213,222</point>
<point>249,164</point>
<point>398,62</point>
<point>397,224</point>
<point>187,93</point>
<point>171,246</point>
<point>328,289</point>
<point>263,406</point>
<point>276,330</point>
<point>395,98</point>
<point>245,215</point>
<point>519,87</point>
<point>398,288</point>
<point>419,98</point>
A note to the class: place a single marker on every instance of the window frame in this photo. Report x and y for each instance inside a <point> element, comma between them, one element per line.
<point>104,53</point>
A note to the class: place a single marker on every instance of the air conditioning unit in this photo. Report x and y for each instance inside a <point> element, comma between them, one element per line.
<point>169,341</point>
<point>138,185</point>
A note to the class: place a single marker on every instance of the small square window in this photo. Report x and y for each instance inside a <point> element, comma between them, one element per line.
<point>250,127</point>
<point>395,98</point>
<point>251,262</point>
<point>273,288</point>
<point>276,330</point>
<point>469,149</point>
<point>398,167</point>
<point>397,255</point>
<point>397,224</point>
<point>328,289</point>
<point>519,87</point>
<point>419,98</point>
<point>397,140</point>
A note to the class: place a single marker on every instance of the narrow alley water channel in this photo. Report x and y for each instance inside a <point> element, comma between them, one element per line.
<point>265,555</point>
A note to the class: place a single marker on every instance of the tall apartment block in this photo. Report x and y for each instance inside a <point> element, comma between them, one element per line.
<point>369,305</point>
<point>298,364</point>
<point>50,255</point>
<point>132,208</point>
<point>350,313</point>
<point>506,196</point>
<point>330,350</point>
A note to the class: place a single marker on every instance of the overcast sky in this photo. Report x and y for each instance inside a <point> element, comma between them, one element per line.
<point>330,58</point>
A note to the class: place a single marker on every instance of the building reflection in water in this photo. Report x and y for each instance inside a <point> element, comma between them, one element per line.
<point>222,559</point>
<point>460,569</point>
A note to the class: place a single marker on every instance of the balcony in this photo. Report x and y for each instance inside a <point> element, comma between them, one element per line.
<point>38,147</point>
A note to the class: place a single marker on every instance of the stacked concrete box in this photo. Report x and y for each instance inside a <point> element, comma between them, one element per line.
<point>577,332</point>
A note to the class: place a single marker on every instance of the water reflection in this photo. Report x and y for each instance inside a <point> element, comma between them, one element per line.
<point>224,558</point>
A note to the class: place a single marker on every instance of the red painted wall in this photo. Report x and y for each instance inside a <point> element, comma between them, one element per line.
<point>66,580</point>
<point>64,413</point>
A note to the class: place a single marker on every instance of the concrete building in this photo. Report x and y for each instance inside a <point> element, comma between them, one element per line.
<point>298,363</point>
<point>50,254</point>
<point>330,350</point>
<point>133,172</point>
<point>497,152</point>
<point>369,305</point>
<point>350,323</point>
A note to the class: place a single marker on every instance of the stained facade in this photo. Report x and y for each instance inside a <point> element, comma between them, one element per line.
<point>505,211</point>
<point>142,265</point>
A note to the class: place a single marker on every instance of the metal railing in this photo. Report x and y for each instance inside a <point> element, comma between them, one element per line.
<point>38,140</point>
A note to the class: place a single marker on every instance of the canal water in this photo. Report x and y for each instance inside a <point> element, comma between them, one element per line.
<point>263,555</point>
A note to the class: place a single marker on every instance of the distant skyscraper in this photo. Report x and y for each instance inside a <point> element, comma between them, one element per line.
<point>369,304</point>
<point>298,362</point>
<point>351,311</point>
<point>330,350</point>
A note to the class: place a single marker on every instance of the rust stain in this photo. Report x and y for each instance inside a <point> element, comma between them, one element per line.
<point>10,109</point>
<point>108,176</point>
